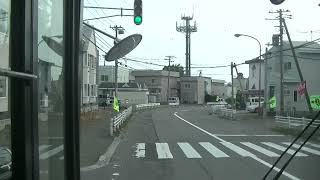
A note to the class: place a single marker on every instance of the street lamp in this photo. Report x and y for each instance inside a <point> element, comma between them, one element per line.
<point>238,35</point>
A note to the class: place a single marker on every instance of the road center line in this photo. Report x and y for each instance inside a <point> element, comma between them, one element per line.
<point>253,157</point>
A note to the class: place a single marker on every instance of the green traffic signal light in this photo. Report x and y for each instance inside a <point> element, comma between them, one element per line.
<point>137,20</point>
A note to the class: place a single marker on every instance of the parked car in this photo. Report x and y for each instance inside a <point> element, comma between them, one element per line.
<point>5,163</point>
<point>253,104</point>
<point>173,101</point>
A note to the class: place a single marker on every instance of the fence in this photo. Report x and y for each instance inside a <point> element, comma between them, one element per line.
<point>147,106</point>
<point>119,119</point>
<point>295,122</point>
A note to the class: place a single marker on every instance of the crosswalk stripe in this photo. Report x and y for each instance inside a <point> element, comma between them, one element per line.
<point>43,147</point>
<point>237,149</point>
<point>304,148</point>
<point>260,149</point>
<point>140,150</point>
<point>51,152</point>
<point>281,148</point>
<point>163,151</point>
<point>213,150</point>
<point>189,151</point>
<point>314,145</point>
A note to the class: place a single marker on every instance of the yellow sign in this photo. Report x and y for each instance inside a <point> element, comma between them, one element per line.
<point>273,102</point>
<point>115,104</point>
<point>315,102</point>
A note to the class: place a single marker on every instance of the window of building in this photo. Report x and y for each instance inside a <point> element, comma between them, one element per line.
<point>88,92</point>
<point>3,86</point>
<point>287,66</point>
<point>104,77</point>
<point>153,81</point>
<point>85,59</point>
<point>187,85</point>
<point>253,68</point>
<point>295,96</point>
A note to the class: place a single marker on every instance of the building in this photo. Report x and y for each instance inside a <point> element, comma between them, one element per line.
<point>253,80</point>
<point>107,74</point>
<point>4,83</point>
<point>218,88</point>
<point>309,61</point>
<point>192,90</point>
<point>129,93</point>
<point>90,62</point>
<point>157,83</point>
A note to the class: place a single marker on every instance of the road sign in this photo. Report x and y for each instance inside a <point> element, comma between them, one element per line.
<point>115,104</point>
<point>301,88</point>
<point>273,102</point>
<point>315,101</point>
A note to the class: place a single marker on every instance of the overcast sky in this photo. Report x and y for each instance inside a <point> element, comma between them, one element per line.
<point>217,21</point>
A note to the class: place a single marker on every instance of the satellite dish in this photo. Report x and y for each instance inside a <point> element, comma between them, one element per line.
<point>54,45</point>
<point>123,47</point>
<point>276,2</point>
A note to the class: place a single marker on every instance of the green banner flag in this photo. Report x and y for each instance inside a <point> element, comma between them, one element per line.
<point>273,102</point>
<point>315,102</point>
<point>115,104</point>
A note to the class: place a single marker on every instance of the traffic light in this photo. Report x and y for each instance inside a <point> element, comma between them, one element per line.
<point>276,2</point>
<point>137,17</point>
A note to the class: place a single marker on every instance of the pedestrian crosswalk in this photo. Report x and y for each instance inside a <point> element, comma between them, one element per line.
<point>198,150</point>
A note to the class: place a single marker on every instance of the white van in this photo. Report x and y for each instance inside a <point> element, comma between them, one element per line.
<point>174,101</point>
<point>252,104</point>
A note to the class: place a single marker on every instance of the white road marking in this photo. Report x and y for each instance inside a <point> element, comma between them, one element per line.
<point>244,135</point>
<point>210,134</point>
<point>237,149</point>
<point>51,152</point>
<point>314,145</point>
<point>260,149</point>
<point>213,150</point>
<point>253,157</point>
<point>189,151</point>
<point>304,148</point>
<point>275,168</point>
<point>140,150</point>
<point>42,148</point>
<point>163,151</point>
<point>281,148</point>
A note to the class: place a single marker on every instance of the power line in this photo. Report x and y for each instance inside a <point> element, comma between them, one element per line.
<point>94,43</point>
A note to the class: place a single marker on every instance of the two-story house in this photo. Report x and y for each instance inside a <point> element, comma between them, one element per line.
<point>309,61</point>
<point>90,63</point>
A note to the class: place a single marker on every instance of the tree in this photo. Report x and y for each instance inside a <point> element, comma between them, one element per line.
<point>175,68</point>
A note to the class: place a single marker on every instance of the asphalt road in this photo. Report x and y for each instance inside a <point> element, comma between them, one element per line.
<point>186,142</point>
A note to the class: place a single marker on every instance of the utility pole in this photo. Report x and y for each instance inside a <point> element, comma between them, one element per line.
<point>187,29</point>
<point>298,67</point>
<point>232,100</point>
<point>265,84</point>
<point>120,30</point>
<point>168,90</point>
<point>280,18</point>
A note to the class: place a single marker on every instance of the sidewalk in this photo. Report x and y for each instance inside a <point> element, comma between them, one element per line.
<point>94,135</point>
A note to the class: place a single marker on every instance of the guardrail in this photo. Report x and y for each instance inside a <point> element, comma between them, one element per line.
<point>147,106</point>
<point>119,119</point>
<point>295,122</point>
